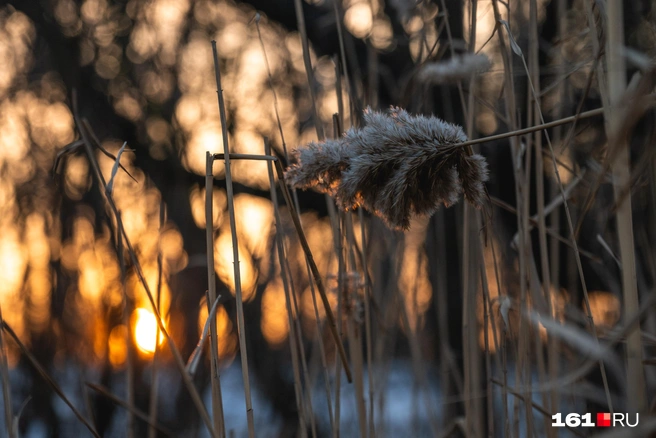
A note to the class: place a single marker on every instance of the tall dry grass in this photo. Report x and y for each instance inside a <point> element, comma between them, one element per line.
<point>522,356</point>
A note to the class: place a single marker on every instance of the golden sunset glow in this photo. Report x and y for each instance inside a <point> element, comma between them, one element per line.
<point>605,307</point>
<point>223,263</point>
<point>227,338</point>
<point>358,19</point>
<point>275,322</point>
<point>145,330</point>
<point>413,279</point>
<point>117,346</point>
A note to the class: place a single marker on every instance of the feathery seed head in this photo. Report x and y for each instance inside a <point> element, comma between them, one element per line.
<point>398,165</point>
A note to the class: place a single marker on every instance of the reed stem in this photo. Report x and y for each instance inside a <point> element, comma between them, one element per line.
<point>235,250</point>
<point>217,402</point>
<point>635,390</point>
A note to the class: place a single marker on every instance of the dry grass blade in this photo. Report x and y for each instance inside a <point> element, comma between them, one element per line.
<point>18,415</point>
<point>197,354</point>
<point>241,330</point>
<point>313,267</point>
<point>55,387</point>
<point>100,147</point>
<point>117,163</point>
<point>136,412</point>
<point>65,151</point>
<point>608,249</point>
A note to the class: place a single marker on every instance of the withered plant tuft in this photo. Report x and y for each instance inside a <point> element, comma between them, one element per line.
<point>396,166</point>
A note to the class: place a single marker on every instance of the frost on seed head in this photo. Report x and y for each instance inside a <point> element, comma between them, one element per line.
<point>396,166</point>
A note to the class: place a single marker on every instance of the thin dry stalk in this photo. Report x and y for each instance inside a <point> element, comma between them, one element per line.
<point>509,98</point>
<point>313,267</point>
<point>551,207</point>
<point>390,318</point>
<point>322,355</point>
<point>320,135</point>
<point>367,325</point>
<point>488,364</point>
<point>271,87</point>
<point>127,311</point>
<point>372,72</point>
<point>354,103</point>
<point>198,402</point>
<point>319,338</point>
<point>489,313</point>
<point>547,414</point>
<point>300,20</point>
<point>152,410</point>
<point>197,354</point>
<point>499,203</point>
<point>471,371</point>
<point>445,17</point>
<point>217,401</point>
<point>297,332</point>
<point>298,385</point>
<point>235,250</point>
<point>531,129</point>
<point>49,380</point>
<point>442,317</point>
<point>306,250</point>
<point>6,388</point>
<point>418,362</point>
<point>352,329</point>
<point>572,232</point>
<point>303,359</point>
<point>527,332</point>
<point>87,404</point>
<point>470,259</point>
<point>541,213</point>
<point>340,307</point>
<point>296,203</point>
<point>635,389</point>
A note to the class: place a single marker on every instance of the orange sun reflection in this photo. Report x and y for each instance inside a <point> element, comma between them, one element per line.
<point>145,330</point>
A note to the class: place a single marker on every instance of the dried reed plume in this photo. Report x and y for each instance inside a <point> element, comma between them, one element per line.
<point>396,166</point>
<point>457,68</point>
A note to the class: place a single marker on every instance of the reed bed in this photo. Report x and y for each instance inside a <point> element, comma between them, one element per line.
<point>507,313</point>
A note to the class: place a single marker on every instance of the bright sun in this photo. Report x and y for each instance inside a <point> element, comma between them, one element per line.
<point>145,330</point>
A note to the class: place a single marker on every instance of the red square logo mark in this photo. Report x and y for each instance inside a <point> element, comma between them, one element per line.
<point>603,419</point>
